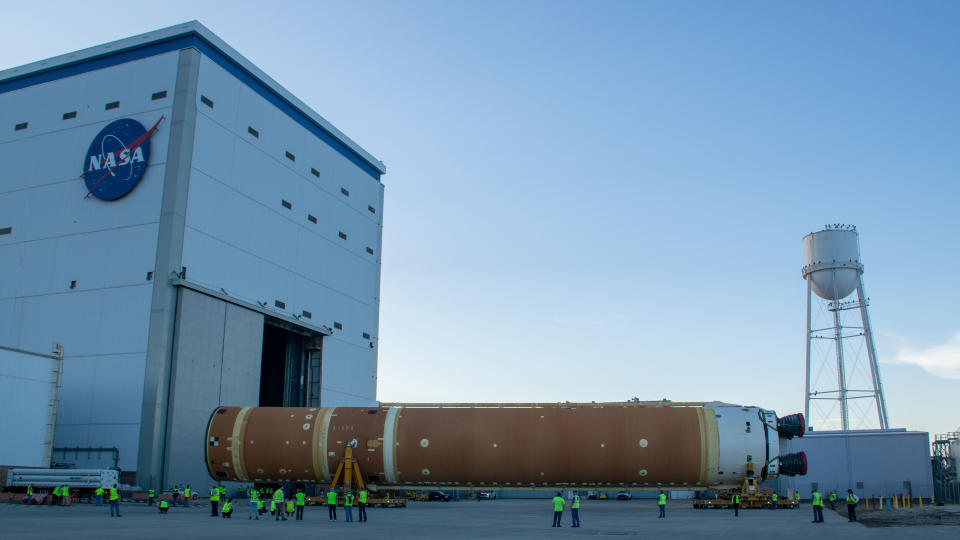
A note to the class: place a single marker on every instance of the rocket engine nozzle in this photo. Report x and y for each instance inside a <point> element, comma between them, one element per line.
<point>791,426</point>
<point>793,464</point>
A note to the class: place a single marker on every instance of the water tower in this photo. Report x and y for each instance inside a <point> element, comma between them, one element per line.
<point>838,327</point>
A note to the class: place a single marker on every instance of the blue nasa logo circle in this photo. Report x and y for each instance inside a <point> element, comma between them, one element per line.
<point>116,159</point>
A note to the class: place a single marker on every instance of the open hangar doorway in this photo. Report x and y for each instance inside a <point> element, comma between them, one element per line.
<point>290,365</point>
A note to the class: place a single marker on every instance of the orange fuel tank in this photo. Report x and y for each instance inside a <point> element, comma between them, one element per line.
<point>637,445</point>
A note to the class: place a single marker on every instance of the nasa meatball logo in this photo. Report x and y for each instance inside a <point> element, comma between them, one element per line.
<point>117,159</point>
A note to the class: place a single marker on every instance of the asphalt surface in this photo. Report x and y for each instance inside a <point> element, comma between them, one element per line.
<point>504,518</point>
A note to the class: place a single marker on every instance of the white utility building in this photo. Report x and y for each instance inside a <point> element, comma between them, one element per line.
<point>193,235</point>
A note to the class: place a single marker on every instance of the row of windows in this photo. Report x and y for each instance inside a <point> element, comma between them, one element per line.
<point>70,115</point>
<point>289,155</point>
<point>308,315</point>
<point>313,219</point>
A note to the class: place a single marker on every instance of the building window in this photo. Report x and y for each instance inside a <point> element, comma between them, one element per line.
<point>280,304</point>
<point>343,235</point>
<point>311,218</point>
<point>315,172</point>
<point>158,95</point>
<point>291,157</point>
<point>69,115</point>
<point>370,250</point>
<point>149,276</point>
<point>371,209</point>
<point>73,284</point>
<point>366,335</point>
<point>5,230</point>
<point>307,314</point>
<point>206,101</point>
<point>112,105</point>
<point>345,192</point>
<point>253,132</point>
<point>286,204</point>
<point>337,325</point>
<point>21,126</point>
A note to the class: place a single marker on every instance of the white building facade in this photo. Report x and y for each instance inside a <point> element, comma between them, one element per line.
<point>193,235</point>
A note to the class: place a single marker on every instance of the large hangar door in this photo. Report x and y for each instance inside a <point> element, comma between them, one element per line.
<point>290,367</point>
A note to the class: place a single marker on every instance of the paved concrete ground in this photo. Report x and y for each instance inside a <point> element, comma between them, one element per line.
<point>466,519</point>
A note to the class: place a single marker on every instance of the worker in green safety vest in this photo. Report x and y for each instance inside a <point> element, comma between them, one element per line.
<point>227,508</point>
<point>187,494</point>
<point>736,504</point>
<point>557,509</point>
<point>254,503</point>
<point>832,499</point>
<point>362,505</point>
<point>114,501</point>
<point>278,504</point>
<point>151,495</point>
<point>348,505</point>
<point>662,504</point>
<point>817,503</point>
<point>164,506</point>
<point>852,501</point>
<point>56,496</point>
<point>575,509</point>
<point>332,504</point>
<point>301,502</point>
<point>214,501</point>
<point>773,501</point>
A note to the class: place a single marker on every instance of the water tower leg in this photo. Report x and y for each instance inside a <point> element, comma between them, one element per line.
<point>806,397</point>
<point>841,376</point>
<point>872,354</point>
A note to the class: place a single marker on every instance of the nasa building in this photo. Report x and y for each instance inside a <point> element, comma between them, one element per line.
<point>193,235</point>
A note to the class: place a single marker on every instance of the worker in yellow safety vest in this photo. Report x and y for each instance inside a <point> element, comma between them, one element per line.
<point>254,503</point>
<point>773,501</point>
<point>99,493</point>
<point>65,495</point>
<point>227,508</point>
<point>278,504</point>
<point>332,504</point>
<point>736,504</point>
<point>164,507</point>
<point>575,509</point>
<point>348,505</point>
<point>114,501</point>
<point>817,503</point>
<point>187,494</point>
<point>151,495</point>
<point>852,501</point>
<point>214,501</point>
<point>557,510</point>
<point>662,503</point>
<point>832,499</point>
<point>362,506</point>
<point>301,502</point>
<point>29,494</point>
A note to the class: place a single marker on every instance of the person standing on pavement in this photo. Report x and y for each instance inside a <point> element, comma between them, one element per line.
<point>362,505</point>
<point>187,495</point>
<point>99,494</point>
<point>832,499</point>
<point>254,504</point>
<point>301,502</point>
<point>662,504</point>
<point>575,509</point>
<point>852,501</point>
<point>332,504</point>
<point>557,510</point>
<point>817,503</point>
<point>150,496</point>
<point>736,504</point>
<point>348,505</point>
<point>773,501</point>
<point>214,501</point>
<point>29,494</point>
<point>278,501</point>
<point>114,501</point>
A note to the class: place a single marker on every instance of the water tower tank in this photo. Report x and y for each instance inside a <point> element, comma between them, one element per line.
<point>832,262</point>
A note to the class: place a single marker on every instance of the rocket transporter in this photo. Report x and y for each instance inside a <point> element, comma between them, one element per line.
<point>512,446</point>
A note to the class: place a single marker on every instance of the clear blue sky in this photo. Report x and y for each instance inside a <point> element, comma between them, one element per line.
<point>601,200</point>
